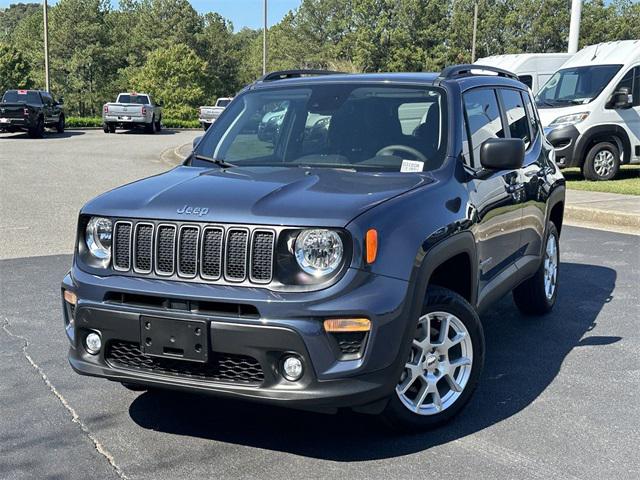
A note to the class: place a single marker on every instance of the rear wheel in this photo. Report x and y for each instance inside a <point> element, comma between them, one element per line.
<point>158,125</point>
<point>37,131</point>
<point>150,127</point>
<point>60,125</point>
<point>602,162</point>
<point>537,295</point>
<point>443,365</point>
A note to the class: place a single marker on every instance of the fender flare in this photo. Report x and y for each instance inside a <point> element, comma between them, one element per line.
<point>604,131</point>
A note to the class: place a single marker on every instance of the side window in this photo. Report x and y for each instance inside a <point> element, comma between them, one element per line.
<point>516,116</point>
<point>531,113</point>
<point>636,87</point>
<point>483,117</point>
<point>527,80</point>
<point>627,81</point>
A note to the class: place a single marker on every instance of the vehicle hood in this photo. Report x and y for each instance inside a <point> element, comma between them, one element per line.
<point>549,114</point>
<point>255,195</point>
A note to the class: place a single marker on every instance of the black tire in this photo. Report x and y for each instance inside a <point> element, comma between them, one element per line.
<point>159,124</point>
<point>37,131</point>
<point>134,387</point>
<point>112,128</point>
<point>150,127</point>
<point>531,296</point>
<point>60,125</point>
<point>105,128</point>
<point>438,299</point>
<point>602,162</point>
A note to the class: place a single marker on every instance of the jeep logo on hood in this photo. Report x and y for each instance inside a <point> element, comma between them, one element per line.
<point>187,210</point>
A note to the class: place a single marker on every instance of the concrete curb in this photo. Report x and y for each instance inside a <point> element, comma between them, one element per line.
<point>603,218</point>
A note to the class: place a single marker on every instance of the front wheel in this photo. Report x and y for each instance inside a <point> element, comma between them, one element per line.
<point>602,162</point>
<point>537,295</point>
<point>37,131</point>
<point>60,124</point>
<point>443,365</point>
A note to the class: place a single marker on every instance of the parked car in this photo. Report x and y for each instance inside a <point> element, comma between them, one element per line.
<point>132,110</point>
<point>326,270</point>
<point>207,114</point>
<point>533,69</point>
<point>591,109</point>
<point>31,111</point>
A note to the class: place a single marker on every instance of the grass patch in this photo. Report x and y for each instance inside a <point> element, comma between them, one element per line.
<point>79,122</point>
<point>627,181</point>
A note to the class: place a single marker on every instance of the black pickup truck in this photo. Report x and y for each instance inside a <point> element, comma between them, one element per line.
<point>32,111</point>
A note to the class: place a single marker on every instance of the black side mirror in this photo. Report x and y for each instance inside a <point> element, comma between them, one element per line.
<point>621,98</point>
<point>502,153</point>
<point>196,141</point>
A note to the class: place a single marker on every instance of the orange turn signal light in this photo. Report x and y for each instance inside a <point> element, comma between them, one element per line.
<point>340,325</point>
<point>70,297</point>
<point>372,245</point>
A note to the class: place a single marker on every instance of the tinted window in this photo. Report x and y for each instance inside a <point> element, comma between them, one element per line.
<point>516,116</point>
<point>222,103</point>
<point>636,88</point>
<point>17,96</point>
<point>483,117</point>
<point>533,118</point>
<point>138,99</point>
<point>350,125</point>
<point>527,80</point>
<point>575,85</point>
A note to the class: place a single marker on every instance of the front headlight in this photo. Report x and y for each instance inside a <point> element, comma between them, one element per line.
<point>319,252</point>
<point>569,119</point>
<point>98,237</point>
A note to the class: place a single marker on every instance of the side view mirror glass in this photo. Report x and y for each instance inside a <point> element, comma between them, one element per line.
<point>502,154</point>
<point>621,98</point>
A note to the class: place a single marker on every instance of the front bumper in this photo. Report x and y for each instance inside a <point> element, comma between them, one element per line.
<point>287,324</point>
<point>564,141</point>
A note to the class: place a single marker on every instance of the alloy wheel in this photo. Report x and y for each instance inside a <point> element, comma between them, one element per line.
<point>550,266</point>
<point>439,364</point>
<point>603,163</point>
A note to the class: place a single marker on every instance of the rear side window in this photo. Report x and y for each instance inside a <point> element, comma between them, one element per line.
<point>516,115</point>
<point>483,120</point>
<point>533,119</point>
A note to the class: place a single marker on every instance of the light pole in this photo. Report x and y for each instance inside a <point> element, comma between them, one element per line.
<point>264,41</point>
<point>574,26</point>
<point>475,30</point>
<point>46,47</point>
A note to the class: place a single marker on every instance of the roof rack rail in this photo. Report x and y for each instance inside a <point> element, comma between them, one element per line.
<point>466,69</point>
<point>284,74</point>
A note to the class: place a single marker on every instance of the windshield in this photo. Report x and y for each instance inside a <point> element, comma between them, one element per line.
<point>138,99</point>
<point>21,96</point>
<point>354,126</point>
<point>575,86</point>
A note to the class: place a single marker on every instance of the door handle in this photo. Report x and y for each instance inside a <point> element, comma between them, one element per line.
<point>515,187</point>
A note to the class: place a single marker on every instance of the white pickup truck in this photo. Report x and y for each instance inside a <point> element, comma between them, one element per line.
<point>132,110</point>
<point>209,114</point>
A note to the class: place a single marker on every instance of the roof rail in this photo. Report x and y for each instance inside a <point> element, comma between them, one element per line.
<point>284,74</point>
<point>466,69</point>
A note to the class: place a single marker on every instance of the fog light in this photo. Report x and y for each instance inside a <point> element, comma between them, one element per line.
<point>70,297</point>
<point>292,368</point>
<point>93,343</point>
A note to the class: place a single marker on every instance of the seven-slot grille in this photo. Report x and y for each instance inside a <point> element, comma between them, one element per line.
<point>208,252</point>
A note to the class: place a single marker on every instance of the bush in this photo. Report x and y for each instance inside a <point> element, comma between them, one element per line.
<point>83,122</point>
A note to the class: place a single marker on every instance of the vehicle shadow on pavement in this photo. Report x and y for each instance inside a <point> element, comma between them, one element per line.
<point>48,135</point>
<point>140,131</point>
<point>523,357</point>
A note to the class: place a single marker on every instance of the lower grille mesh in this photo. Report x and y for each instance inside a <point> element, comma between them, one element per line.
<point>222,367</point>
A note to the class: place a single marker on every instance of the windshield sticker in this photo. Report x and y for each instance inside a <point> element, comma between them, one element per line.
<point>411,166</point>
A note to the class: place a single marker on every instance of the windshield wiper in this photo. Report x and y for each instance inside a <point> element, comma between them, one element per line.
<point>217,161</point>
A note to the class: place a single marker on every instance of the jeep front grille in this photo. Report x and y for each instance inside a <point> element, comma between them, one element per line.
<point>209,253</point>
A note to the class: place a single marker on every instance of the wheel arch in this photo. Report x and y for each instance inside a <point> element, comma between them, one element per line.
<point>604,133</point>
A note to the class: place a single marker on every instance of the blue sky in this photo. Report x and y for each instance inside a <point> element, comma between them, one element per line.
<point>243,13</point>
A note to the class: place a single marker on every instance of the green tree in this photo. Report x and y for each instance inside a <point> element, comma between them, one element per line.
<point>176,76</point>
<point>15,72</point>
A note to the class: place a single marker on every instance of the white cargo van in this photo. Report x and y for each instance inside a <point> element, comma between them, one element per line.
<point>590,109</point>
<point>533,69</point>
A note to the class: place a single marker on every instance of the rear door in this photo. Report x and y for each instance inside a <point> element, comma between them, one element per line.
<point>532,185</point>
<point>495,195</point>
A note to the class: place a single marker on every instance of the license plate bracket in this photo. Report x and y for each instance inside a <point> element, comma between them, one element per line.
<point>175,339</point>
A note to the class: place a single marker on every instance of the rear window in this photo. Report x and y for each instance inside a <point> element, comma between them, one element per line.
<point>128,98</point>
<point>222,103</point>
<point>18,96</point>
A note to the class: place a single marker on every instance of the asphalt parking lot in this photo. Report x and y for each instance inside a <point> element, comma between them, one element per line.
<point>559,397</point>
